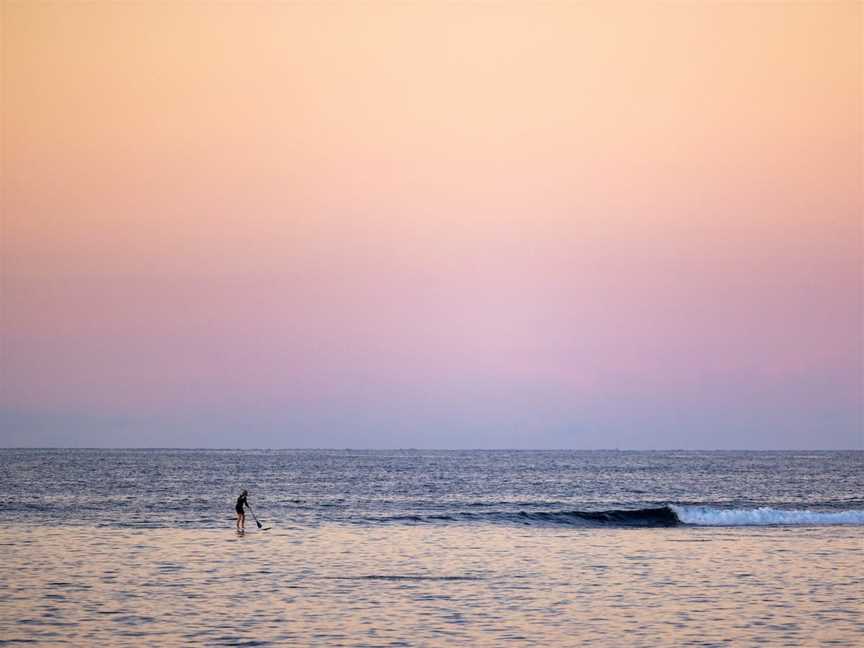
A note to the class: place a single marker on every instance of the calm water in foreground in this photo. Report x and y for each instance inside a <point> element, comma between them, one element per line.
<point>418,548</point>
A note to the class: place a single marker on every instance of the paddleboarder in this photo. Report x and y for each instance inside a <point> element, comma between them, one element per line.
<point>240,507</point>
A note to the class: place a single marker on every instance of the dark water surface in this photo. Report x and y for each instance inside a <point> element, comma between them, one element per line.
<point>197,488</point>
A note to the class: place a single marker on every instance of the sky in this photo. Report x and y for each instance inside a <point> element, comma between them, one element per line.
<point>432,225</point>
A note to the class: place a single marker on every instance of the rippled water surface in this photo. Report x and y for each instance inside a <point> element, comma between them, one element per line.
<point>416,548</point>
<point>197,489</point>
<point>421,585</point>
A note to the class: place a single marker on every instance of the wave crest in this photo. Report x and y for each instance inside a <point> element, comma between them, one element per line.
<point>764,516</point>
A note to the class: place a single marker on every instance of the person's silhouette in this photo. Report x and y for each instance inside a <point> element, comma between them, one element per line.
<point>240,507</point>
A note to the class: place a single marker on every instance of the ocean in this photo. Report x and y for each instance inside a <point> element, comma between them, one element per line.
<point>424,548</point>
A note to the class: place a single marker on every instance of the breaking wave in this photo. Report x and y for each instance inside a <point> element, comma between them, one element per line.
<point>664,516</point>
<point>765,516</point>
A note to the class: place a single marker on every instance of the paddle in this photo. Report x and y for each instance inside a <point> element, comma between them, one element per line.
<point>254,518</point>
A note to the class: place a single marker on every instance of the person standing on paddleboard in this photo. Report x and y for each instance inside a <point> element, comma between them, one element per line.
<point>240,507</point>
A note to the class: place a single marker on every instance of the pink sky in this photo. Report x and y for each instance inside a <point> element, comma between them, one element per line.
<point>376,224</point>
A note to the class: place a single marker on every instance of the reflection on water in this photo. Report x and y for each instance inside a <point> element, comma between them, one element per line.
<point>408,586</point>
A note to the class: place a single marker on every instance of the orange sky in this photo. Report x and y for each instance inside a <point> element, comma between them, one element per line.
<point>500,215</point>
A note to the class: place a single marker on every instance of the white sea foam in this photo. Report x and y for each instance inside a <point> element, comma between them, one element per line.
<point>709,516</point>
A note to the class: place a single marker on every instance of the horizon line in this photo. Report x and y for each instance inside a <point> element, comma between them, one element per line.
<point>420,449</point>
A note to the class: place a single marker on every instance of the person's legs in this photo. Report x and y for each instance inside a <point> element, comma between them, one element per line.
<point>241,521</point>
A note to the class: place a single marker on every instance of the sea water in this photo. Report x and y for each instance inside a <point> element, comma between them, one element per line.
<point>417,548</point>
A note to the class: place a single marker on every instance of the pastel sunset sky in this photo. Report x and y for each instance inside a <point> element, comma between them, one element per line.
<point>432,224</point>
